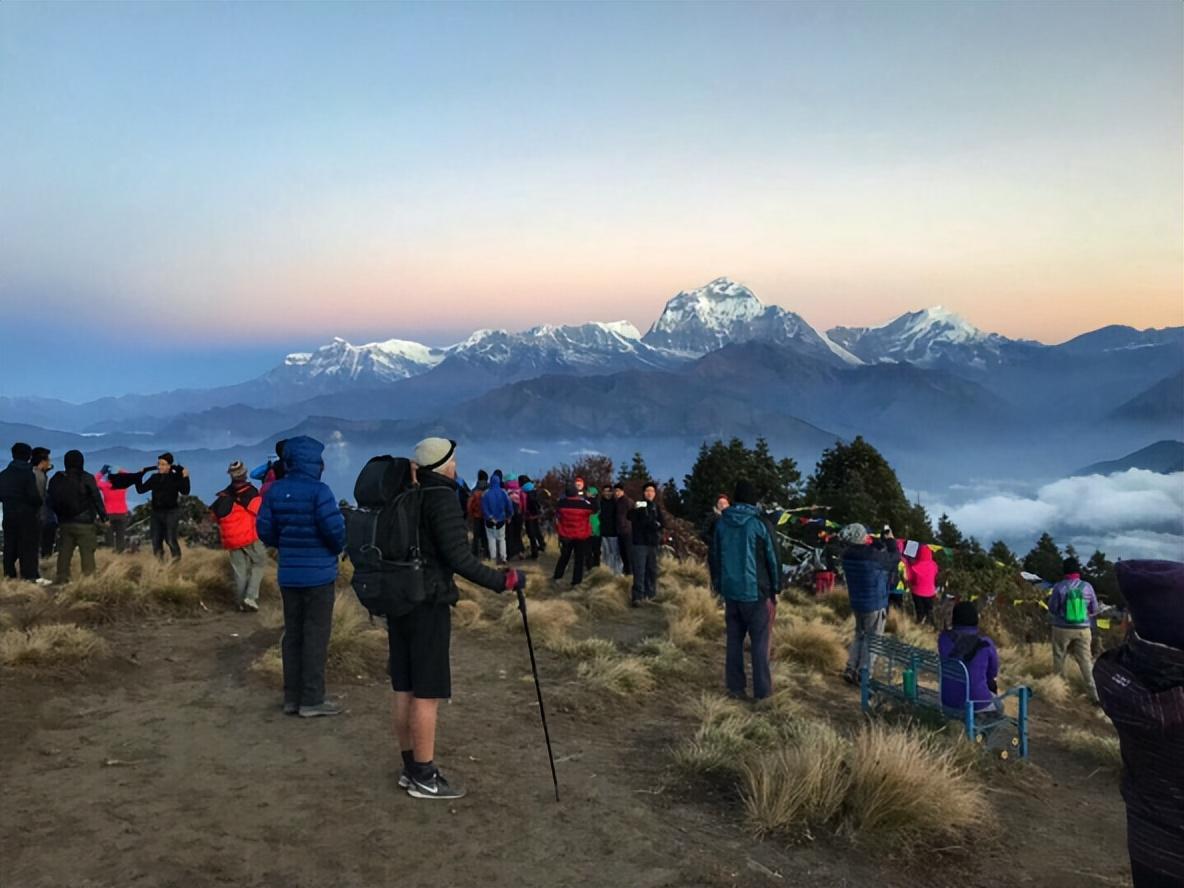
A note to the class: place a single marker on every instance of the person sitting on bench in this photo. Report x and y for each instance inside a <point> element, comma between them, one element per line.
<point>962,641</point>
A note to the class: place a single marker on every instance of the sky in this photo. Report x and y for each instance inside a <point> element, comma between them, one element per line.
<point>190,191</point>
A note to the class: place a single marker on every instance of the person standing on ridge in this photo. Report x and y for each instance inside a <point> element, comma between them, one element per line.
<point>624,529</point>
<point>42,466</point>
<point>476,516</point>
<point>78,504</point>
<point>610,545</point>
<point>1072,606</point>
<point>867,569</point>
<point>299,516</point>
<point>115,502</point>
<point>419,641</point>
<point>534,518</point>
<point>573,526</point>
<point>236,508</point>
<point>271,471</point>
<point>648,523</point>
<point>592,547</point>
<point>167,486</point>
<point>22,503</point>
<point>497,509</point>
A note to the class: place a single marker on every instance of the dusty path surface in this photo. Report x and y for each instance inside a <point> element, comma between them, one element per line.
<point>175,767</point>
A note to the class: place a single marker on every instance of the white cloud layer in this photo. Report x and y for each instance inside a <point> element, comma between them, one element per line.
<point>1135,514</point>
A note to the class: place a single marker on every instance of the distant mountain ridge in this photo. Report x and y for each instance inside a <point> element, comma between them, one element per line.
<point>1163,457</point>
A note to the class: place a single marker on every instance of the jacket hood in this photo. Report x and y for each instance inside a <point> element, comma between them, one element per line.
<point>74,459</point>
<point>495,483</point>
<point>304,456</point>
<point>924,554</point>
<point>740,514</point>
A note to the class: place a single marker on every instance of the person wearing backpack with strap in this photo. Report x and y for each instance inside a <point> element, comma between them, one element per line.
<point>76,500</point>
<point>1072,607</point>
<point>419,640</point>
<point>235,508</point>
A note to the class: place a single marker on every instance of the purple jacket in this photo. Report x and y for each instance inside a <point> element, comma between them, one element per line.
<point>1056,602</point>
<point>982,666</point>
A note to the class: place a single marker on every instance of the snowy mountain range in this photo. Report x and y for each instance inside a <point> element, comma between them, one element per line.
<point>929,338</point>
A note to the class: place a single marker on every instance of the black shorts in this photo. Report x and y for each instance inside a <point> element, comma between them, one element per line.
<point>419,652</point>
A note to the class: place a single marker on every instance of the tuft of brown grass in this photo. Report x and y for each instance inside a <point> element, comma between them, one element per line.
<point>837,601</point>
<point>53,647</point>
<point>911,793</point>
<point>682,572</point>
<point>907,630</point>
<point>1047,689</point>
<point>602,592</point>
<point>792,788</point>
<point>550,621</point>
<point>815,645</point>
<point>729,734</point>
<point>664,657</point>
<point>588,648</point>
<point>622,676</point>
<point>467,615</point>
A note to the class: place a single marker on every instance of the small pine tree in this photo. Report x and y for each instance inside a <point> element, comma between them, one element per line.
<point>719,466</point>
<point>637,470</point>
<point>948,533</point>
<point>859,485</point>
<point>1045,560</point>
<point>1001,553</point>
<point>672,499</point>
<point>1099,572</point>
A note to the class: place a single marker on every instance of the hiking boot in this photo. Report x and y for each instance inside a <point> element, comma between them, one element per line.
<point>434,786</point>
<point>291,708</point>
<point>321,709</point>
<point>250,604</point>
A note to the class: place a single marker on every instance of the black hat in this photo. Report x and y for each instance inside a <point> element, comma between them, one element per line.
<point>74,459</point>
<point>965,614</point>
<point>746,492</point>
<point>1154,592</point>
<point>482,475</point>
<point>39,453</point>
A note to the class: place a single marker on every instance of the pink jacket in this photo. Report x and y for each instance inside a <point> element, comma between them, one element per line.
<point>922,574</point>
<point>114,501</point>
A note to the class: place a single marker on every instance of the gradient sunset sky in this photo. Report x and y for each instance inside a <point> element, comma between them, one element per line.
<point>191,191</point>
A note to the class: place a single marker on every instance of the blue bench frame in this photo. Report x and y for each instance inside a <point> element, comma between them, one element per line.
<point>900,656</point>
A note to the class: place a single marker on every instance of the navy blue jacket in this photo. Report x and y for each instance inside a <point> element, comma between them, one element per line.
<point>300,517</point>
<point>867,570</point>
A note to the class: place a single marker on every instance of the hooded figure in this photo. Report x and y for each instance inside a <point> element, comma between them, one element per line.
<point>962,641</point>
<point>75,498</point>
<point>1141,685</point>
<point>299,516</point>
<point>921,575</point>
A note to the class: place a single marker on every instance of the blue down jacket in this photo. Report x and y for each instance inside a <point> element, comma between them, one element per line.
<point>300,517</point>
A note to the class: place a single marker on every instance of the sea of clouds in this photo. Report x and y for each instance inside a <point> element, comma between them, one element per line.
<point>1134,514</point>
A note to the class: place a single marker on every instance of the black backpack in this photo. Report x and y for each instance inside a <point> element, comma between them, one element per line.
<point>67,497</point>
<point>382,538</point>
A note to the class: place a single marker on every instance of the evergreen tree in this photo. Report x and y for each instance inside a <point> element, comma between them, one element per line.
<point>1099,572</point>
<point>672,499</point>
<point>1045,560</point>
<point>859,485</point>
<point>948,533</point>
<point>637,471</point>
<point>1000,552</point>
<point>719,466</point>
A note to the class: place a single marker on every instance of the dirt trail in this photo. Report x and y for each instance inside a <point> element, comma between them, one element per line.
<point>175,767</point>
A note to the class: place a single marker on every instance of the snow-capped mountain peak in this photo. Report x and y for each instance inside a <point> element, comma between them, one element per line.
<point>373,362</point>
<point>927,338</point>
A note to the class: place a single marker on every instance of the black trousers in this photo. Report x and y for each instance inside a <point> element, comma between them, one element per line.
<point>164,530</point>
<point>573,550</point>
<point>308,620</point>
<point>49,536</point>
<point>22,542</point>
<point>625,543</point>
<point>534,532</point>
<point>924,608</point>
<point>592,552</point>
<point>480,542</point>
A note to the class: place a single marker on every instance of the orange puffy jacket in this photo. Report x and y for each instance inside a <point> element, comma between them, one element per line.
<point>236,508</point>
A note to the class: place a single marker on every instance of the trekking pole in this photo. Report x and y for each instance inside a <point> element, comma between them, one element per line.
<point>538,688</point>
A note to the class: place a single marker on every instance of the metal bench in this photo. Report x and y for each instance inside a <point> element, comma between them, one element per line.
<point>914,676</point>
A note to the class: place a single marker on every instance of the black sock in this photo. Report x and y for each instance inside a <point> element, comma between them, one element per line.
<point>408,758</point>
<point>423,769</point>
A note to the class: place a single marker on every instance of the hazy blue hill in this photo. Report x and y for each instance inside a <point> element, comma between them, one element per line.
<point>1164,457</point>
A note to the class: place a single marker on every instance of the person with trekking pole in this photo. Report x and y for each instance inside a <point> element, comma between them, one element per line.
<point>420,639</point>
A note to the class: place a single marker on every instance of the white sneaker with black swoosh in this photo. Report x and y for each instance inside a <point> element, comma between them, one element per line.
<point>404,779</point>
<point>433,787</point>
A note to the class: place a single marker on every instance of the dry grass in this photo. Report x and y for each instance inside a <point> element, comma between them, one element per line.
<point>550,621</point>
<point>901,625</point>
<point>664,657</point>
<point>837,601</point>
<point>54,647</point>
<point>674,573</point>
<point>816,645</point>
<point>910,793</point>
<point>694,616</point>
<point>1099,750</point>
<point>1047,689</point>
<point>467,614</point>
<point>588,648</point>
<point>793,788</point>
<point>602,592</point>
<point>622,676</point>
<point>729,735</point>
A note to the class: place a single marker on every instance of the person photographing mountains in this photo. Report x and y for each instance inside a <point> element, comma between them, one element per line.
<point>420,640</point>
<point>167,486</point>
<point>647,523</point>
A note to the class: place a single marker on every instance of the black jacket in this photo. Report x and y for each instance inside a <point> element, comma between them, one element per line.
<point>18,491</point>
<point>444,542</point>
<point>608,517</point>
<point>166,489</point>
<point>74,497</point>
<point>647,523</point>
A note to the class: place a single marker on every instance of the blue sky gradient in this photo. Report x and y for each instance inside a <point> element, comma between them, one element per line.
<point>236,181</point>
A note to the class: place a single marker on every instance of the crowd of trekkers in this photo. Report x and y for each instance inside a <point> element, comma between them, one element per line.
<point>1140,685</point>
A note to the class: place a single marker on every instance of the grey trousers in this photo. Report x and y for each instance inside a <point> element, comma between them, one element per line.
<point>247,564</point>
<point>867,624</point>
